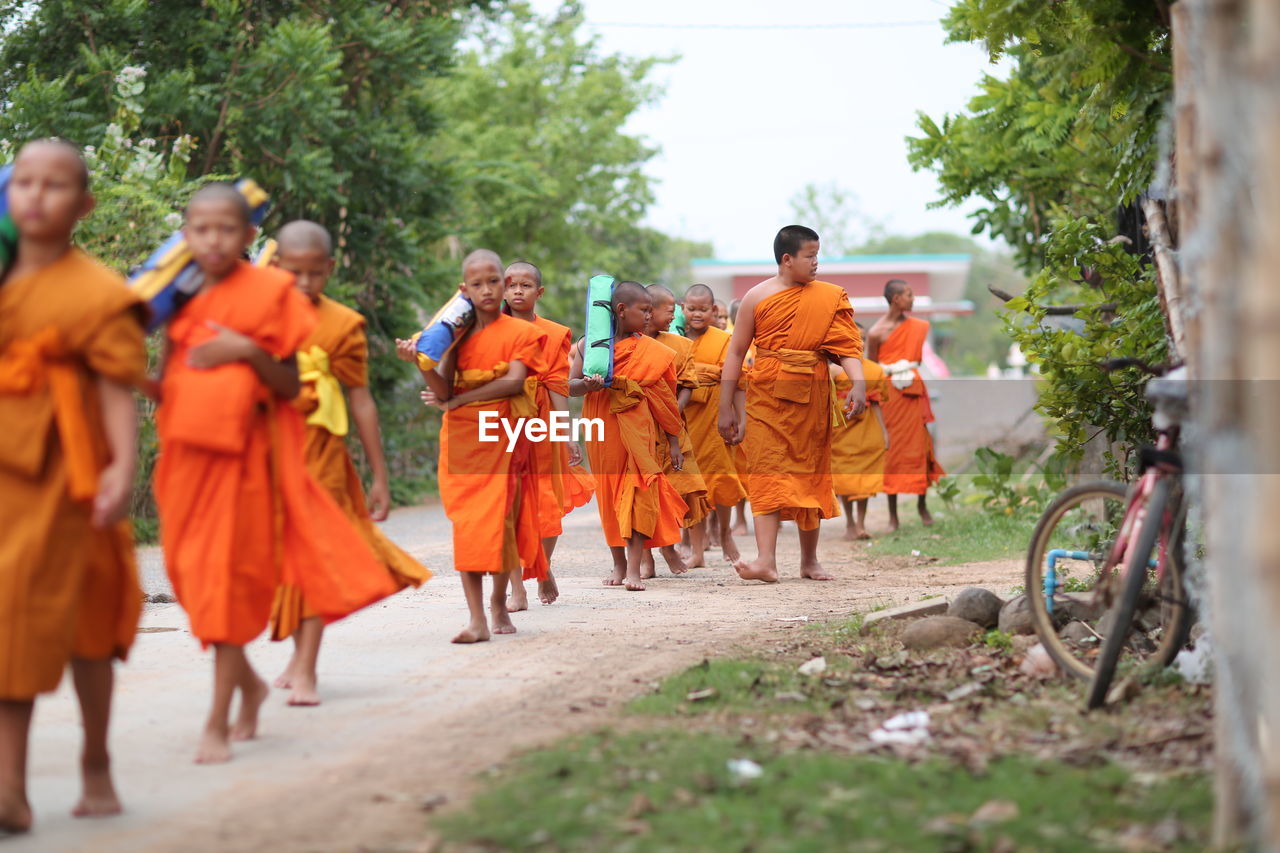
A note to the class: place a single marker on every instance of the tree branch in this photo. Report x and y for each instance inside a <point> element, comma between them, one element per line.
<point>1056,310</point>
<point>1168,283</point>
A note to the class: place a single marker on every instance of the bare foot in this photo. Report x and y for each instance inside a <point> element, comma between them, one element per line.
<point>647,571</point>
<point>618,576</point>
<point>696,560</point>
<point>850,534</point>
<point>98,798</point>
<point>518,600</point>
<point>548,592</point>
<point>501,617</point>
<point>215,747</point>
<point>739,529</point>
<point>285,680</point>
<point>756,571</point>
<point>246,726</point>
<point>683,550</point>
<point>675,562</point>
<point>15,815</point>
<point>925,518</point>
<point>304,693</point>
<point>634,585</point>
<point>731,552</point>
<point>815,572</point>
<point>893,524</point>
<point>472,634</point>
<point>861,533</point>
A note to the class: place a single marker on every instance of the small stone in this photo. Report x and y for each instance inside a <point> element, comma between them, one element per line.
<point>790,696</point>
<point>701,695</point>
<point>1038,663</point>
<point>815,666</point>
<point>977,605</point>
<point>1082,607</point>
<point>431,802</point>
<point>1015,617</point>
<point>160,598</point>
<point>929,607</point>
<point>963,691</point>
<point>1078,632</point>
<point>937,631</point>
<point>994,811</point>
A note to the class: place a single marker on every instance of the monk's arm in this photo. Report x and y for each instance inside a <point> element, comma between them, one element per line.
<point>578,385</point>
<point>732,400</point>
<point>683,398</point>
<point>365,413</point>
<point>120,422</point>
<point>872,345</point>
<point>228,345</point>
<point>509,384</point>
<point>857,402</point>
<point>439,380</point>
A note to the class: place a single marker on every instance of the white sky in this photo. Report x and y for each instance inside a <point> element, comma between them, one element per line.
<point>752,115</point>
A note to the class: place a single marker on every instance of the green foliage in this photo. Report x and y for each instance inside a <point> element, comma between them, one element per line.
<point>535,132</point>
<point>967,534</point>
<point>1002,486</point>
<point>998,640</point>
<point>1054,150</point>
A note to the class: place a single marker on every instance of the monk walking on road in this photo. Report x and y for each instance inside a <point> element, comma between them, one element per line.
<point>897,342</point>
<point>798,325</point>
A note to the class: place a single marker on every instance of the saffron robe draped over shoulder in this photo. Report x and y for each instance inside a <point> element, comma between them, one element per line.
<point>66,589</point>
<point>688,481</point>
<point>702,415</point>
<point>790,400</point>
<point>337,356</point>
<point>240,515</point>
<point>561,489</point>
<point>633,495</point>
<point>857,446</point>
<point>489,493</point>
<point>909,467</point>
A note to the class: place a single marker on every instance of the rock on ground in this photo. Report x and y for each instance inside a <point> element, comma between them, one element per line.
<point>934,632</point>
<point>1077,632</point>
<point>977,605</point>
<point>1015,616</point>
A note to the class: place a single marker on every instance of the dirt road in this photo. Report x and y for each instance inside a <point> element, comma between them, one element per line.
<point>406,715</point>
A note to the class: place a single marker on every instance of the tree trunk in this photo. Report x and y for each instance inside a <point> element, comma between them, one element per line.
<point>1227,120</point>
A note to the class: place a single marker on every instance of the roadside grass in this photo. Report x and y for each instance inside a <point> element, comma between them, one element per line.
<point>1011,762</point>
<point>671,790</point>
<point>963,534</point>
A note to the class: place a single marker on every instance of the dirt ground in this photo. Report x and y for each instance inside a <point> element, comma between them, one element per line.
<point>409,720</point>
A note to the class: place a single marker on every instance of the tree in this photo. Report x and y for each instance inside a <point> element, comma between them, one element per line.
<point>1060,151</point>
<point>535,132</point>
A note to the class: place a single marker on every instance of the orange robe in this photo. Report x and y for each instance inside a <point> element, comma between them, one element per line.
<point>240,516</point>
<point>790,400</point>
<point>857,446</point>
<point>338,352</point>
<point>909,467</point>
<point>491,494</point>
<point>702,416</point>
<point>66,589</point>
<point>633,495</point>
<point>688,481</point>
<point>561,487</point>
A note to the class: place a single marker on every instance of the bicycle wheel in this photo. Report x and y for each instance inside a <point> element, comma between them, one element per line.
<point>1139,589</point>
<point>1070,549</point>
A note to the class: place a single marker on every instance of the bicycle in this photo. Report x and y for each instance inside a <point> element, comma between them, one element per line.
<point>1104,572</point>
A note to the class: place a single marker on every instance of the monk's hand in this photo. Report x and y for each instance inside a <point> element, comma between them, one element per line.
<point>429,397</point>
<point>115,487</point>
<point>379,499</point>
<point>677,455</point>
<point>575,453</point>
<point>592,382</point>
<point>728,425</point>
<point>857,402</point>
<point>226,346</point>
<point>406,351</point>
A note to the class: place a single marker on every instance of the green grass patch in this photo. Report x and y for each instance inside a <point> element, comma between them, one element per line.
<point>668,790</point>
<point>755,685</point>
<point>960,535</point>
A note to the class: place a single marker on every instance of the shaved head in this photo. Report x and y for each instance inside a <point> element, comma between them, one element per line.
<point>482,256</point>
<point>628,293</point>
<point>893,287</point>
<point>303,235</point>
<point>733,309</point>
<point>700,291</point>
<point>220,192</point>
<point>525,266</point>
<point>660,294</point>
<point>720,304</point>
<point>59,147</point>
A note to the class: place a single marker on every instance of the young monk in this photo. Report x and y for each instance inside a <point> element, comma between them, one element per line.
<point>71,349</point>
<point>721,315</point>
<point>639,508</point>
<point>334,356</point>
<point>858,448</point>
<point>797,324</point>
<point>710,346</point>
<point>739,457</point>
<point>688,480</point>
<point>240,516</point>
<point>897,342</point>
<point>489,492</point>
<point>561,488</point>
